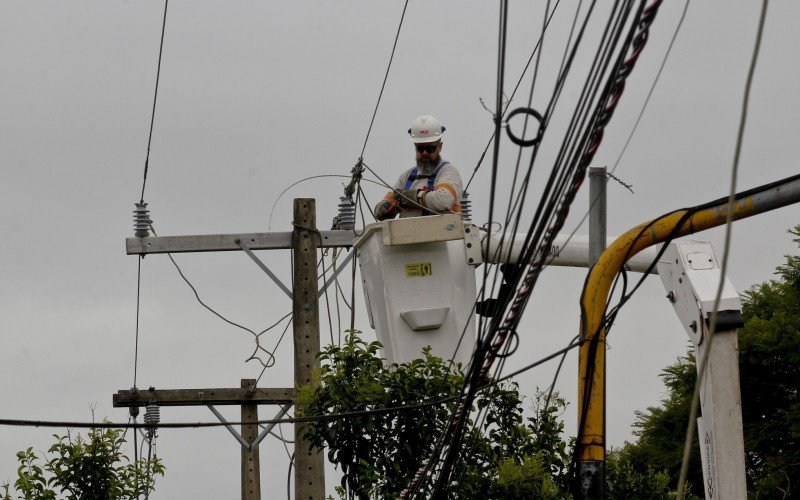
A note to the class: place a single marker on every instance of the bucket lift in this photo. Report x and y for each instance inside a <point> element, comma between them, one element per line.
<point>419,285</point>
<point>691,274</point>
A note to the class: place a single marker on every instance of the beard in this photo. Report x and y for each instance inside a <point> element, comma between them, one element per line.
<point>429,164</point>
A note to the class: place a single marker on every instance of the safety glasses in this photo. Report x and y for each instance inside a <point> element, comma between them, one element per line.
<point>427,148</point>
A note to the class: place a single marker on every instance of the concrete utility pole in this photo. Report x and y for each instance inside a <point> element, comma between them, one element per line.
<point>304,240</point>
<point>309,465</point>
<point>251,477</point>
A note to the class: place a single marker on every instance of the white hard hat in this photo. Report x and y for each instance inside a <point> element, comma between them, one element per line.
<point>426,129</point>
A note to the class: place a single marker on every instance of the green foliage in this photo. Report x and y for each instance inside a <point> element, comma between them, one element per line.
<point>530,479</point>
<point>769,361</point>
<point>90,468</point>
<point>502,457</point>
<point>661,431</point>
<point>626,478</point>
<point>769,366</point>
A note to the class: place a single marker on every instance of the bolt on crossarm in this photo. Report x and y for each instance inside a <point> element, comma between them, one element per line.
<point>591,445</point>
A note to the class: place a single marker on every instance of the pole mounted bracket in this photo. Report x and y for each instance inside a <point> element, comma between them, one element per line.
<point>690,271</point>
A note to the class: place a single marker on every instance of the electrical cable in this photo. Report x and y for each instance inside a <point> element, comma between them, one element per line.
<point>155,100</point>
<point>281,438</point>
<point>457,421</point>
<point>546,118</point>
<point>530,106</point>
<point>336,300</point>
<point>273,351</point>
<point>135,458</point>
<point>397,192</point>
<point>138,302</point>
<point>256,335</point>
<point>353,292</point>
<point>639,117</point>
<point>508,103</point>
<point>147,475</point>
<point>358,169</point>
<point>280,195</point>
<point>607,104</point>
<point>327,301</point>
<point>476,357</point>
<point>385,77</point>
<point>292,420</point>
<point>525,182</point>
<point>142,205</point>
<point>341,293</point>
<point>289,479</point>
<point>687,213</point>
<point>652,87</point>
<point>726,252</point>
<point>364,196</point>
<point>531,246</point>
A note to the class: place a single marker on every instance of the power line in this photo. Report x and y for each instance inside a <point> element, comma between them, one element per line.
<point>385,77</point>
<point>508,103</point>
<point>280,195</point>
<point>155,100</point>
<point>304,419</point>
<point>652,88</point>
<point>551,215</point>
<point>256,335</point>
<point>141,202</point>
<point>138,302</point>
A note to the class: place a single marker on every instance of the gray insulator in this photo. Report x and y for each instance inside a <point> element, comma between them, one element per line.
<point>152,415</point>
<point>141,221</point>
<point>347,214</point>
<point>466,208</point>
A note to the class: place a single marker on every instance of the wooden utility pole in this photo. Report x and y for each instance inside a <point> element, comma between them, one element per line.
<point>309,464</point>
<point>304,240</point>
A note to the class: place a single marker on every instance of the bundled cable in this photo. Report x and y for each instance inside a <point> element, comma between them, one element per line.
<point>622,43</point>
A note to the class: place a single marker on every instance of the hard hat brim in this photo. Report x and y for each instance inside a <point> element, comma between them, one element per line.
<point>423,140</point>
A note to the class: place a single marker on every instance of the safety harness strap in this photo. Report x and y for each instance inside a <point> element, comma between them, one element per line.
<point>414,175</point>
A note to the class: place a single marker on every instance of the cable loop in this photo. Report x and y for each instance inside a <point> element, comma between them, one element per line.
<point>522,142</point>
<point>513,335</point>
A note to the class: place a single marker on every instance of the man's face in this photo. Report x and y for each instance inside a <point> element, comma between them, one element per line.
<point>428,154</point>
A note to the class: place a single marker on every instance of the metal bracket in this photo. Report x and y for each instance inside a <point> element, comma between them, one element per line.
<point>264,268</point>
<point>230,428</point>
<point>249,446</point>
<point>691,274</point>
<point>472,244</point>
<point>268,428</point>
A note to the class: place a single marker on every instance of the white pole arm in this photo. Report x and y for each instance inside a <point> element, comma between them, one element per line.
<point>691,274</point>
<point>505,248</point>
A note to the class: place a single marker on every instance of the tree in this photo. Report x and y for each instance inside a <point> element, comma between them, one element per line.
<point>769,366</point>
<point>503,457</point>
<point>83,468</point>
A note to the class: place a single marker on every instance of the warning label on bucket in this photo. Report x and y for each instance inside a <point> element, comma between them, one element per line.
<point>418,270</point>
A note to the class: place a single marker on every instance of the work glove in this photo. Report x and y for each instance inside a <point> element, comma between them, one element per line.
<point>385,210</point>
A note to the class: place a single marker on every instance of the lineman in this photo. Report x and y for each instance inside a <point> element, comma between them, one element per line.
<point>432,187</point>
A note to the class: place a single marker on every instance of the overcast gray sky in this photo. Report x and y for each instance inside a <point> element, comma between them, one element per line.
<point>257,95</point>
